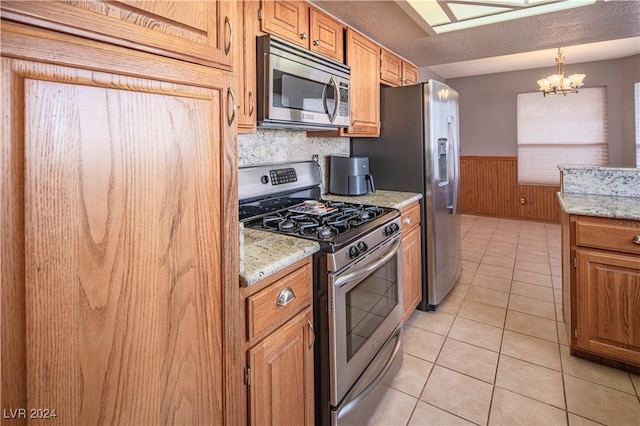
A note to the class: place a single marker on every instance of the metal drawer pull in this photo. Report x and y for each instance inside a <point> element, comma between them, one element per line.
<point>285,296</point>
<point>408,220</point>
<point>313,334</point>
<point>636,239</point>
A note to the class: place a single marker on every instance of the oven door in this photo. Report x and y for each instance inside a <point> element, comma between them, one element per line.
<point>366,308</point>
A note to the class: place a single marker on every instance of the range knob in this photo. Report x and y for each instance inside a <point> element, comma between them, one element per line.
<point>353,251</point>
<point>264,179</point>
<point>395,227</point>
<point>362,246</point>
<point>388,230</point>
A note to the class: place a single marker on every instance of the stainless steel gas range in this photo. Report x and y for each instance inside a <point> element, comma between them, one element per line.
<point>357,283</point>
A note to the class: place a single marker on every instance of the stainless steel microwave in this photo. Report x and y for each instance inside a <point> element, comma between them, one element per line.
<point>299,89</point>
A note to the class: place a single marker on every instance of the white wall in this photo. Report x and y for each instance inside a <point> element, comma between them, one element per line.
<point>488,107</point>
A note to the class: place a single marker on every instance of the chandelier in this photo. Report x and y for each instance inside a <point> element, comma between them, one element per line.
<point>558,83</point>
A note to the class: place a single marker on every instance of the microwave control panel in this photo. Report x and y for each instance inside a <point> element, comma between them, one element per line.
<point>280,176</point>
<point>344,100</point>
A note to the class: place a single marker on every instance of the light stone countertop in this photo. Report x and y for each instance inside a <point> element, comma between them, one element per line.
<point>600,205</point>
<point>266,253</point>
<point>381,198</point>
<point>612,192</point>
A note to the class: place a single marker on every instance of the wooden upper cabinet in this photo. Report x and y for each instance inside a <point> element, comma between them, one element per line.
<point>244,63</point>
<point>287,19</point>
<point>327,36</point>
<point>409,74</point>
<point>363,56</point>
<point>297,22</point>
<point>390,68</point>
<point>395,71</point>
<point>195,31</point>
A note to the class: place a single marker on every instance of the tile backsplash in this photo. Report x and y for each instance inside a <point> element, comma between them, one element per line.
<point>270,146</point>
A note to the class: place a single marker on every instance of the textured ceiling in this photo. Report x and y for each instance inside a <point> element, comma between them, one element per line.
<point>388,23</point>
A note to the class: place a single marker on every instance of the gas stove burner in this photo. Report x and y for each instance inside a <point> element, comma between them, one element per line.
<point>326,232</point>
<point>364,215</point>
<point>286,225</point>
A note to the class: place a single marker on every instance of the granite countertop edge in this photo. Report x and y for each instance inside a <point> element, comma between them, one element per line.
<point>611,206</point>
<point>381,198</point>
<point>266,253</point>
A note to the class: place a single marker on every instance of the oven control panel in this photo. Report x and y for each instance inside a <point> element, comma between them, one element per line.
<point>280,176</point>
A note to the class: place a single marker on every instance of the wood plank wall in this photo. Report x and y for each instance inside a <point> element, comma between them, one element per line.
<point>489,186</point>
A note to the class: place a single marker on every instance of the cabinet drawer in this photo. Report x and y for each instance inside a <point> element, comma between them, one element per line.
<point>606,234</point>
<point>410,217</point>
<point>264,313</point>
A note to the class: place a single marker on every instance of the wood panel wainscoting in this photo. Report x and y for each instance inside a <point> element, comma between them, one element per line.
<point>489,186</point>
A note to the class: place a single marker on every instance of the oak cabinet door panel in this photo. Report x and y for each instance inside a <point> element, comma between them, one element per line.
<point>197,31</point>
<point>113,272</point>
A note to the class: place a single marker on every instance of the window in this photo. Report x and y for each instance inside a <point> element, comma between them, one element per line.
<point>560,130</point>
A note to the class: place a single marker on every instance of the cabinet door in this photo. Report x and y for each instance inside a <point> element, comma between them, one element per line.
<point>409,74</point>
<point>196,31</point>
<point>248,28</point>
<point>327,36</point>
<point>411,271</point>
<point>281,389</point>
<point>115,195</point>
<point>390,68</point>
<point>608,297</point>
<point>363,58</point>
<point>288,19</point>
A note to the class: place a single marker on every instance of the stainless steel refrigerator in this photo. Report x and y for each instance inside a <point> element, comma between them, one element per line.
<point>419,151</point>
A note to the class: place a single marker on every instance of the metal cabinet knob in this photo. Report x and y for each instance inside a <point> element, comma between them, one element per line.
<point>316,42</point>
<point>408,220</point>
<point>303,36</point>
<point>636,239</point>
<point>285,296</point>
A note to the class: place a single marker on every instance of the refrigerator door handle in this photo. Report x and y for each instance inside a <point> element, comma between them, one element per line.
<point>453,207</point>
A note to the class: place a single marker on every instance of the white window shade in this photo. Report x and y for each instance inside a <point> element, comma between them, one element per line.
<point>558,129</point>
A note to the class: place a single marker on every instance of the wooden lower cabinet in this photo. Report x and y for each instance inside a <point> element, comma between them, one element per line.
<point>281,389</point>
<point>604,283</point>
<point>608,299</point>
<point>280,345</point>
<point>411,258</point>
<point>118,183</point>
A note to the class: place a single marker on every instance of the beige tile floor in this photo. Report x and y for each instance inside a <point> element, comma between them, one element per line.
<point>496,352</point>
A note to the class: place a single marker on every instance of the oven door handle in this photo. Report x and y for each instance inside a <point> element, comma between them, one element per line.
<point>372,267</point>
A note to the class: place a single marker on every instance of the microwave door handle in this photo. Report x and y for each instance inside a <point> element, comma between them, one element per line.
<point>336,91</point>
